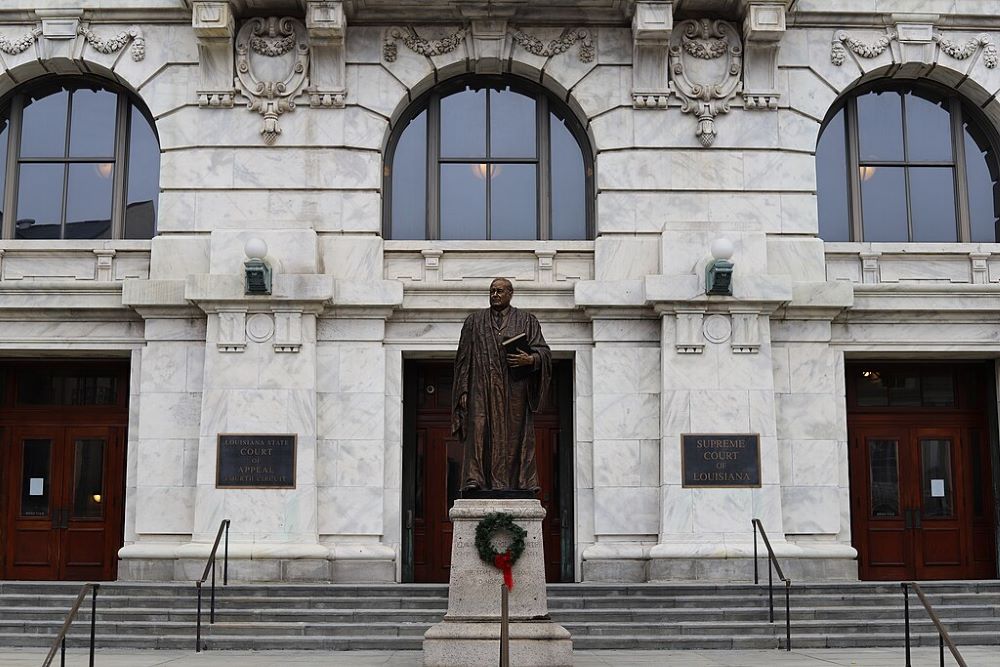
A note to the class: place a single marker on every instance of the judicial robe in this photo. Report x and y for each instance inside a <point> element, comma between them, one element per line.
<point>497,428</point>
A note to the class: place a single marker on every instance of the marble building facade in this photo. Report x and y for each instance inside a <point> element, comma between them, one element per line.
<point>302,166</point>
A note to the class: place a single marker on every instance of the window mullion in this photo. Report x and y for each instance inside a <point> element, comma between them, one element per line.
<point>489,171</point>
<point>65,183</point>
<point>543,199</point>
<point>906,169</point>
<point>118,193</point>
<point>963,209</point>
<point>433,167</point>
<point>853,170</point>
<point>9,195</point>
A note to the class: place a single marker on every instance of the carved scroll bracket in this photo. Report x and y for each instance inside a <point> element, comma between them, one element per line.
<point>272,62</point>
<point>214,26</point>
<point>652,25</point>
<point>706,60</point>
<point>327,28</point>
<point>763,28</point>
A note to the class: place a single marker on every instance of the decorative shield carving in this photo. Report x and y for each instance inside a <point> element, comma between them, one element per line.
<point>272,64</point>
<point>706,59</point>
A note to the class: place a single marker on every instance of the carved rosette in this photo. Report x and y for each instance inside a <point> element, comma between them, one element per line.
<point>706,58</point>
<point>272,61</point>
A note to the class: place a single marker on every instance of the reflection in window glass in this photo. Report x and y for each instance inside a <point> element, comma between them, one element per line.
<point>143,188</point>
<point>463,201</point>
<point>982,188</point>
<point>831,182</point>
<point>880,128</point>
<point>872,393</point>
<point>92,123</point>
<point>35,477</point>
<point>883,203</point>
<point>65,388</point>
<point>932,204</point>
<point>409,181</point>
<point>928,129</point>
<point>904,390</point>
<point>39,201</point>
<point>88,479</point>
<point>569,196</point>
<point>938,390</point>
<point>935,461</point>
<point>513,202</point>
<point>463,124</point>
<point>884,478</point>
<point>43,125</point>
<point>512,124</point>
<point>88,200</point>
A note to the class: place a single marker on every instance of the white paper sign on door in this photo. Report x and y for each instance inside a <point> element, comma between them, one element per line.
<point>937,488</point>
<point>36,486</point>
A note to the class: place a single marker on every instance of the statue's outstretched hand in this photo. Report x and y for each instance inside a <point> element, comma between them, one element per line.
<point>520,359</point>
<point>463,402</point>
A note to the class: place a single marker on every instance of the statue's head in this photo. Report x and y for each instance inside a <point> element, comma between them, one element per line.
<point>501,291</point>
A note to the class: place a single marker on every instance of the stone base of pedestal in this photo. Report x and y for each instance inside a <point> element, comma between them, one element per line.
<point>470,631</point>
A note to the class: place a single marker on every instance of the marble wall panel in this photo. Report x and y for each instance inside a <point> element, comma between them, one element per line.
<point>698,168</point>
<point>172,87</point>
<point>276,167</point>
<point>289,251</point>
<point>812,368</point>
<point>161,462</point>
<point>357,463</point>
<point>626,511</point>
<point>721,510</point>
<point>375,89</point>
<point>344,416</point>
<point>677,510</point>
<point>164,509</point>
<point>174,258</point>
<point>170,415</point>
<point>809,416</point>
<point>563,72</point>
<point>800,258</point>
<point>351,257</point>
<point>584,464</point>
<point>350,510</point>
<point>799,213</point>
<point>634,170</point>
<point>604,88</point>
<point>165,367</point>
<point>620,369</point>
<point>813,462</point>
<point>617,463</point>
<point>808,94</point>
<point>612,130</point>
<point>780,170</point>
<point>626,257</point>
<point>626,416</point>
<point>811,509</point>
<point>364,44</point>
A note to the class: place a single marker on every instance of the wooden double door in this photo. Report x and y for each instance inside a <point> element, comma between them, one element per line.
<point>921,484</point>
<point>63,471</point>
<point>432,461</point>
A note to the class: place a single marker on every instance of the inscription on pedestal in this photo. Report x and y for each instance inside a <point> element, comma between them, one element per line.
<point>248,461</point>
<point>721,460</point>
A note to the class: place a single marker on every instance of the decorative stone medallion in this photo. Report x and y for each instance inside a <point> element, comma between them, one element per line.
<point>717,328</point>
<point>260,327</point>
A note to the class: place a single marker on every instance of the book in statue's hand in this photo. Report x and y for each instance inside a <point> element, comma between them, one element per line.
<point>518,343</point>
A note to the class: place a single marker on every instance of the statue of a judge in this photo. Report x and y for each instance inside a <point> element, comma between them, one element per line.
<point>501,376</point>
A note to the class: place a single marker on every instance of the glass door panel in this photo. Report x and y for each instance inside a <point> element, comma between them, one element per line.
<point>936,484</point>
<point>36,477</point>
<point>88,478</point>
<point>883,467</point>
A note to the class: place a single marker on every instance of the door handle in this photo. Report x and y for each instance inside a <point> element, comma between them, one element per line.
<point>60,518</point>
<point>916,518</point>
<point>409,519</point>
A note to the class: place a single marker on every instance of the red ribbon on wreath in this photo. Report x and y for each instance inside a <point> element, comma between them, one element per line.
<point>503,563</point>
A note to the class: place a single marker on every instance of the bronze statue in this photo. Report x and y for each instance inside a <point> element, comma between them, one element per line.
<point>502,373</point>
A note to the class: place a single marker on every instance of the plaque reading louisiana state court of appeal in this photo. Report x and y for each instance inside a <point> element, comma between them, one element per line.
<point>721,460</point>
<point>255,461</point>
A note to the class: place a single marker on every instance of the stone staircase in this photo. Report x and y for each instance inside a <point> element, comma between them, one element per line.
<point>600,616</point>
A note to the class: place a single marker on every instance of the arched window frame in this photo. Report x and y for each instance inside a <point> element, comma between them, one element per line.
<point>960,111</point>
<point>545,102</point>
<point>12,107</point>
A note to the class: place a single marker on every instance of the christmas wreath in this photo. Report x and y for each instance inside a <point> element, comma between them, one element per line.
<point>493,523</point>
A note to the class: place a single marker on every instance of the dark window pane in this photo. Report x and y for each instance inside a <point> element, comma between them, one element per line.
<point>872,392</point>
<point>904,390</point>
<point>514,202</point>
<point>4,138</point>
<point>88,200</point>
<point>936,484</point>
<point>88,479</point>
<point>92,124</point>
<point>143,179</point>
<point>39,201</point>
<point>409,182</point>
<point>66,388</point>
<point>463,124</point>
<point>880,127</point>
<point>938,390</point>
<point>43,130</point>
<point>982,187</point>
<point>831,182</point>
<point>884,470</point>
<point>928,129</point>
<point>932,204</point>
<point>512,124</point>
<point>568,181</point>
<point>35,477</point>
<point>463,201</point>
<point>883,204</point>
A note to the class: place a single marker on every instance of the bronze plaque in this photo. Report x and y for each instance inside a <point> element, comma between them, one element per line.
<point>248,461</point>
<point>721,460</point>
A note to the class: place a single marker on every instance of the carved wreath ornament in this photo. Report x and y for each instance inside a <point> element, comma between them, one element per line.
<point>272,61</point>
<point>107,45</point>
<point>706,59</point>
<point>493,523</point>
<point>971,48</point>
<point>438,47</point>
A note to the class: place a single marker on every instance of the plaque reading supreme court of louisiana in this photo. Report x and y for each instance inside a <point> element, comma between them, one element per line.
<point>722,460</point>
<point>248,461</point>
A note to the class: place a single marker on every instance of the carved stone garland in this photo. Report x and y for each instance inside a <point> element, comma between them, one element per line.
<point>272,59</point>
<point>100,44</point>
<point>447,44</point>
<point>981,43</point>
<point>706,59</point>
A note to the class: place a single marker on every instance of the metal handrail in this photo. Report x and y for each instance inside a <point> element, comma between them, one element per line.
<point>210,568</point>
<point>758,526</point>
<point>943,636</point>
<point>60,640</point>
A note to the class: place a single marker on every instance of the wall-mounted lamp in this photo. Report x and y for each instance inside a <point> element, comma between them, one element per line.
<point>719,272</point>
<point>258,273</point>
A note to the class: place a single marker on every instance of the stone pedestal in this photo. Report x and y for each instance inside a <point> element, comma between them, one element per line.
<point>470,631</point>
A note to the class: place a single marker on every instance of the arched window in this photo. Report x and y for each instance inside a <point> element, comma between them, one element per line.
<point>488,158</point>
<point>79,159</point>
<point>905,163</point>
